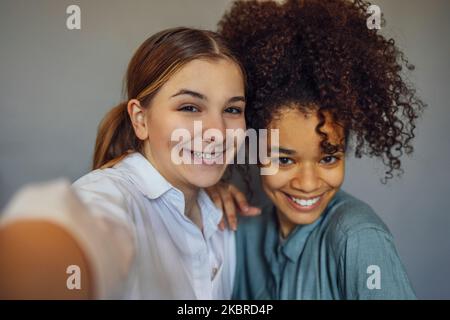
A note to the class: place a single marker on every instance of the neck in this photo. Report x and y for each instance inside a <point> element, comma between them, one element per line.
<point>191,209</point>
<point>190,199</point>
<point>285,226</point>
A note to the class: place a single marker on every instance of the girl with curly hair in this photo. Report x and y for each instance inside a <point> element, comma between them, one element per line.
<point>325,81</point>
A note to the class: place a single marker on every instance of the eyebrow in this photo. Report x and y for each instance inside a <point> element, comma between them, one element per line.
<point>190,93</point>
<point>237,99</point>
<point>203,97</point>
<point>283,150</point>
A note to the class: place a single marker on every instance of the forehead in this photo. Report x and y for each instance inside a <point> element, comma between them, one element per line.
<point>297,129</point>
<point>210,77</point>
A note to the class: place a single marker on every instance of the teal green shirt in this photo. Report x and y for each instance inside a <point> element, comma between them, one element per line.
<point>348,253</point>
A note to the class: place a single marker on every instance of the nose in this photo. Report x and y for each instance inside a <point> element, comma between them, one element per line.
<point>213,124</point>
<point>306,179</point>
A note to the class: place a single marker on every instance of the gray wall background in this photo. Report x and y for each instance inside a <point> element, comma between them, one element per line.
<point>56,84</point>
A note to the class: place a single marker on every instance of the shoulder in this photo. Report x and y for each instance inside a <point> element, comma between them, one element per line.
<point>348,217</point>
<point>102,181</point>
<point>256,223</point>
<point>349,214</point>
<point>364,250</point>
<point>104,190</point>
<point>252,229</point>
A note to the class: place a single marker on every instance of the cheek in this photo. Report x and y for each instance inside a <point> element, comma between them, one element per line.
<point>241,124</point>
<point>334,178</point>
<point>235,124</point>
<point>160,131</point>
<point>276,181</point>
<point>158,135</point>
<point>230,133</point>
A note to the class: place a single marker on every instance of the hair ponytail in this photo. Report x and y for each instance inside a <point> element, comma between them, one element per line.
<point>115,138</point>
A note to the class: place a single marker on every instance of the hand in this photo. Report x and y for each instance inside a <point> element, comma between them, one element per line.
<point>229,199</point>
<point>34,257</point>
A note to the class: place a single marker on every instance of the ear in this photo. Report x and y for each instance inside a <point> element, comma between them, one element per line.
<point>138,118</point>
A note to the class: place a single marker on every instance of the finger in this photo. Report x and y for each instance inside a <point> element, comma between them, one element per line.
<point>253,211</point>
<point>229,208</point>
<point>222,224</point>
<point>215,197</point>
<point>240,198</point>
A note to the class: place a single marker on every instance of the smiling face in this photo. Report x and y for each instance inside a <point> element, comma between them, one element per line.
<point>307,179</point>
<point>209,91</point>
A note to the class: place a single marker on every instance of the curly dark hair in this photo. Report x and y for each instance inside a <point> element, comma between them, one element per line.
<point>322,53</point>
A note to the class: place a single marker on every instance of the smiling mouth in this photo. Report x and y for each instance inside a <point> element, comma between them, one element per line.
<point>206,158</point>
<point>304,204</point>
<point>206,155</point>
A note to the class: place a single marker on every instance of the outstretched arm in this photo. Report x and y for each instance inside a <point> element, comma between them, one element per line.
<point>34,259</point>
<point>54,246</point>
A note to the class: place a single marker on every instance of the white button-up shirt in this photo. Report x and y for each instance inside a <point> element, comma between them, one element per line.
<point>131,225</point>
<point>173,259</point>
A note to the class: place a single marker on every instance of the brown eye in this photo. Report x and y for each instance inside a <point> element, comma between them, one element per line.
<point>233,110</point>
<point>329,160</point>
<point>189,108</point>
<point>285,161</point>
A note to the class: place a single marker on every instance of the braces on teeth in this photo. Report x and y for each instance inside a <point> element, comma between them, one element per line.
<point>206,155</point>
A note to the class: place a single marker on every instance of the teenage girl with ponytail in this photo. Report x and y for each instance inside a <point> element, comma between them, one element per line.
<point>149,231</point>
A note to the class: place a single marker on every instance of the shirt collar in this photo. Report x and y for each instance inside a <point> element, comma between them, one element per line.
<point>296,241</point>
<point>293,245</point>
<point>271,234</point>
<point>153,185</point>
<point>144,176</point>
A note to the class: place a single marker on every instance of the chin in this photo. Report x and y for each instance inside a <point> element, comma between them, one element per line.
<point>301,215</point>
<point>303,218</point>
<point>205,177</point>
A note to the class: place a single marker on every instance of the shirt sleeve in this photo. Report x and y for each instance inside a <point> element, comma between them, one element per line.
<point>370,268</point>
<point>96,220</point>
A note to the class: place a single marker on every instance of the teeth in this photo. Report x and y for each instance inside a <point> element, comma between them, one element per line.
<point>206,156</point>
<point>305,203</point>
